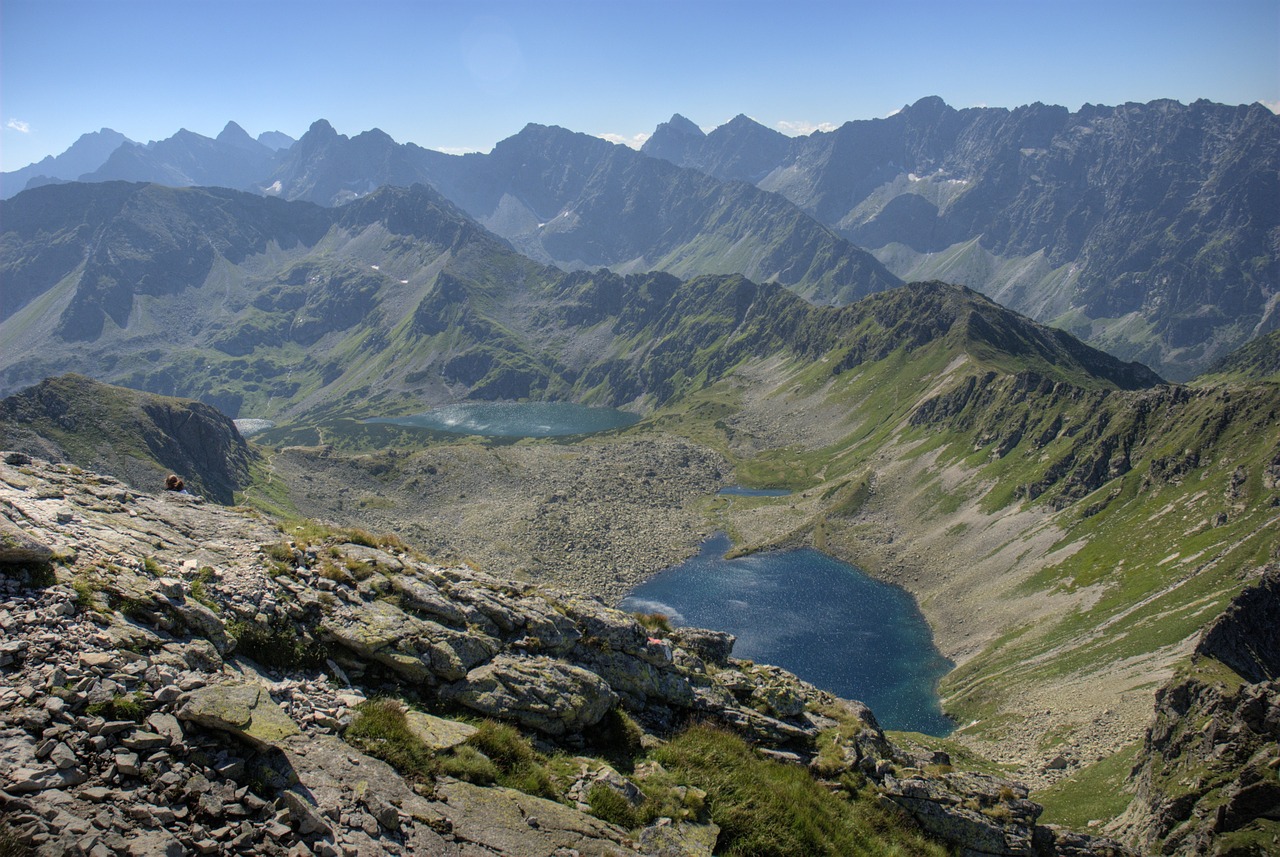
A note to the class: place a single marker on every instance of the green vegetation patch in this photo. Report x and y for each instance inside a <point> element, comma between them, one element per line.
<point>1099,792</point>
<point>382,730</point>
<point>766,808</point>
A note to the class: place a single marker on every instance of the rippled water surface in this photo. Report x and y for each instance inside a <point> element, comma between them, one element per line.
<point>822,619</point>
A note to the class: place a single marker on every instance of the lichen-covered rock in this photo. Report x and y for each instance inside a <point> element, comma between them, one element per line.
<point>638,681</point>
<point>331,773</point>
<point>418,649</point>
<point>538,692</point>
<point>510,822</point>
<point>667,838</point>
<point>424,597</point>
<point>19,546</point>
<point>714,647</point>
<point>245,710</point>
<point>437,732</point>
<point>979,814</point>
<point>606,628</point>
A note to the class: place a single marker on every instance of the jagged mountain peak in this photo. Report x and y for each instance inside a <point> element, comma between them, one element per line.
<point>682,125</point>
<point>320,129</point>
<point>928,104</point>
<point>233,135</point>
<point>742,120</point>
<point>375,135</point>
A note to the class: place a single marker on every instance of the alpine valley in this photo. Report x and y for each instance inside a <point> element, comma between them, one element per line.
<point>366,637</point>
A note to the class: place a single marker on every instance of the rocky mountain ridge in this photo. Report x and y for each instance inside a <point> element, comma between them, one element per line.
<point>232,159</point>
<point>133,721</point>
<point>136,437</point>
<point>1146,229</point>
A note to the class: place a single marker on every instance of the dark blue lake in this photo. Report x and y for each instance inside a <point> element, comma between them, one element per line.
<point>822,619</point>
<point>517,419</point>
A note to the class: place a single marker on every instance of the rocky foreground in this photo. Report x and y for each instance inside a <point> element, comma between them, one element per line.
<point>178,677</point>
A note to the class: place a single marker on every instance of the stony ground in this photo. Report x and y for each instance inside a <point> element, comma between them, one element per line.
<point>595,517</point>
<point>130,725</point>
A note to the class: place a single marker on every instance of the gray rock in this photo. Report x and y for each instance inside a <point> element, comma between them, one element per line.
<point>419,650</point>
<point>167,725</point>
<point>714,647</point>
<point>245,710</point>
<point>19,546</point>
<point>539,692</point>
<point>437,732</point>
<point>497,819</point>
<point>665,838</point>
<point>424,597</point>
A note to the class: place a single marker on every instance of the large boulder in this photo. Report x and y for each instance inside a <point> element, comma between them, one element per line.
<point>418,649</point>
<point>244,710</point>
<point>19,546</point>
<point>538,692</point>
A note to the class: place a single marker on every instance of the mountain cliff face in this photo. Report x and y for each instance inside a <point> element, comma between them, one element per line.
<point>1206,776</point>
<point>1146,228</point>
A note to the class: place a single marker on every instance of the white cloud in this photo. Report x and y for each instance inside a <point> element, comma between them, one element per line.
<point>456,150</point>
<point>803,129</point>
<point>635,141</point>
<point>1273,106</point>
<point>893,112</point>
<point>19,126</point>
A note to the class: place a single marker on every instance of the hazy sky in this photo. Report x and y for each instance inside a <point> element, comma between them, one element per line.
<point>459,76</point>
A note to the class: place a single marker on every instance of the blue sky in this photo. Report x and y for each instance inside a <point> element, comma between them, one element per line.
<point>459,76</point>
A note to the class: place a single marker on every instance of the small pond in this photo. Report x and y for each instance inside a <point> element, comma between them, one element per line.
<point>739,491</point>
<point>247,427</point>
<point>517,419</point>
<point>820,618</point>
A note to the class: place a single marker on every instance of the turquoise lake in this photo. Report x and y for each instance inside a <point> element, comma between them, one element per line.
<point>517,419</point>
<point>822,619</point>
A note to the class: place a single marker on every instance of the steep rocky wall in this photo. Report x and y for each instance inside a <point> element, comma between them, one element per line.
<point>1206,779</point>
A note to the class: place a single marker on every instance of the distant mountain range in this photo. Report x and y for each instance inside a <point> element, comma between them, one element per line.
<point>1149,230</point>
<point>232,159</point>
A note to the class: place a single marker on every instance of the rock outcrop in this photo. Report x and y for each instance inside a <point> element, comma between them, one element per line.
<point>180,680</point>
<point>1206,778</point>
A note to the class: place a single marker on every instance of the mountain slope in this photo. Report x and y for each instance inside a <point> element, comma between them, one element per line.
<point>1254,362</point>
<point>1144,228</point>
<point>132,436</point>
<point>398,298</point>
